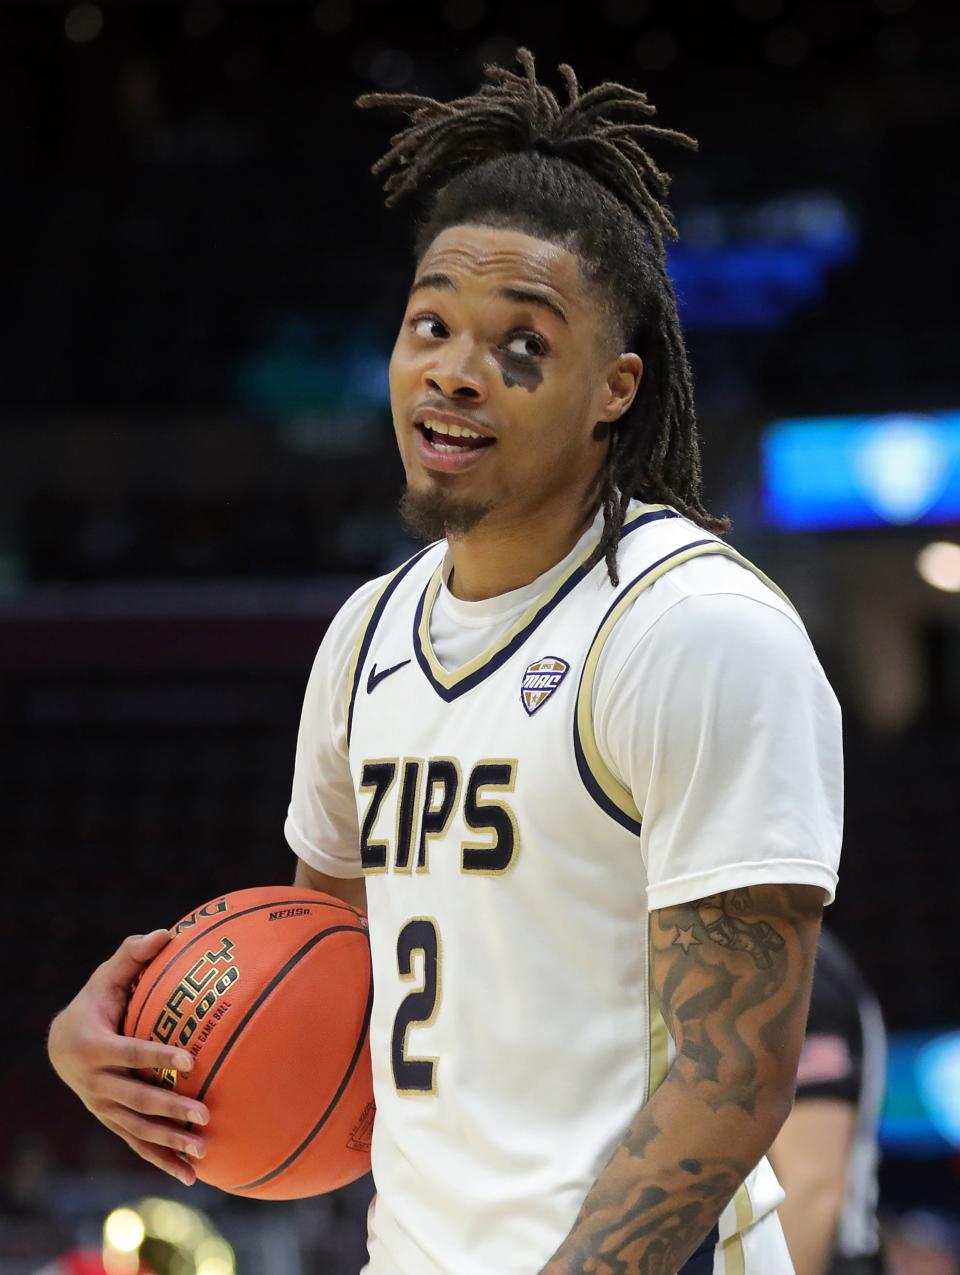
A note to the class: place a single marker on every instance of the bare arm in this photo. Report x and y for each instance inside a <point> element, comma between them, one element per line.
<point>352,890</point>
<point>810,1156</point>
<point>732,973</point>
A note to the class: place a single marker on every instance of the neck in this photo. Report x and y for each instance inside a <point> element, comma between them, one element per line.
<point>510,552</point>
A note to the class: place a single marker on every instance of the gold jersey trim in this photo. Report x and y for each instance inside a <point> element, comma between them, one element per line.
<point>600,781</point>
<point>450,681</point>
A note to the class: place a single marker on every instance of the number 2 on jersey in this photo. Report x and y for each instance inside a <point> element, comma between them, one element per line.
<point>413,1075</point>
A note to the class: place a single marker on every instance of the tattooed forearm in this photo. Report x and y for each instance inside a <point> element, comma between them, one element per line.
<point>642,1227</point>
<point>732,974</point>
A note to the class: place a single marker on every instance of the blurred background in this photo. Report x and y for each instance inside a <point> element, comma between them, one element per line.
<point>200,294</point>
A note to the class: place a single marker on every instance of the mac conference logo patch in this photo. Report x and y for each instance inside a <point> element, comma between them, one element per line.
<point>540,681</point>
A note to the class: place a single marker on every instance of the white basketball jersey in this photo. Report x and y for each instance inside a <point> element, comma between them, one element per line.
<point>513,1033</point>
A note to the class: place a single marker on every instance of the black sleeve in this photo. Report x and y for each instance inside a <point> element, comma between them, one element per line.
<point>831,1060</point>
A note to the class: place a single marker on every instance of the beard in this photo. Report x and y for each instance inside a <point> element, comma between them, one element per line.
<point>437,515</point>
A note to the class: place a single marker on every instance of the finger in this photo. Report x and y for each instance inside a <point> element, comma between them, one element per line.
<point>108,1049</point>
<point>150,1100</point>
<point>159,1133</point>
<point>168,1161</point>
<point>128,960</point>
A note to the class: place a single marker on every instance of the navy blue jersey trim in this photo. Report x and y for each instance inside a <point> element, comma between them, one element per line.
<point>375,619</point>
<point>596,792</point>
<point>701,1262</point>
<point>497,660</point>
<point>586,774</point>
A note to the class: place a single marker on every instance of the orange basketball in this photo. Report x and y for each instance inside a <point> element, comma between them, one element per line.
<point>270,990</point>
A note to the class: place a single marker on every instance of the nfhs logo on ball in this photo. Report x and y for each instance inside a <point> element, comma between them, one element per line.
<point>540,680</point>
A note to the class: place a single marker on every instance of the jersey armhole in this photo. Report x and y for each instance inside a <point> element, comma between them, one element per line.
<point>599,780</point>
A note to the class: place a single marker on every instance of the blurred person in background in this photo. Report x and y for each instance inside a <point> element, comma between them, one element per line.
<point>922,1243</point>
<point>827,1153</point>
<point>80,1261</point>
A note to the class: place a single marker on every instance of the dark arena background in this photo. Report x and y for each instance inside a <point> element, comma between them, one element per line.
<point>200,293</point>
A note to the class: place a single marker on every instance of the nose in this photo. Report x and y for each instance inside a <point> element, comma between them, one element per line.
<point>455,372</point>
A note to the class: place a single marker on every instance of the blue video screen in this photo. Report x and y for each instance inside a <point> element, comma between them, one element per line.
<point>921,1110</point>
<point>829,473</point>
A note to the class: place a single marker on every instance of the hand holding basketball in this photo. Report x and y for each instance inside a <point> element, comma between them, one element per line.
<point>90,1055</point>
<point>267,994</point>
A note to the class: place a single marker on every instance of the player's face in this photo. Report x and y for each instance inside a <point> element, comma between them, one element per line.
<point>502,380</point>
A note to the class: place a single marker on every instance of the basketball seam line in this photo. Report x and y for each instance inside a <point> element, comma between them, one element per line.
<point>347,1076</point>
<point>266,991</point>
<point>258,907</point>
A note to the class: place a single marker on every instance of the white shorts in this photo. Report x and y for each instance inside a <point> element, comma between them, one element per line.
<point>759,1250</point>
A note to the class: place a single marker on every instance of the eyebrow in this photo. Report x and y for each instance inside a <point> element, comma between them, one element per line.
<point>445,283</point>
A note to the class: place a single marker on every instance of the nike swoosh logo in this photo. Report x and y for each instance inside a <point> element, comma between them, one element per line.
<point>374,678</point>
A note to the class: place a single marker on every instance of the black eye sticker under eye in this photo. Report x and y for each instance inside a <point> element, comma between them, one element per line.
<point>517,371</point>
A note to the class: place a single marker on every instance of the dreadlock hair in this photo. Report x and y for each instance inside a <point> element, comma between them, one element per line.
<point>510,156</point>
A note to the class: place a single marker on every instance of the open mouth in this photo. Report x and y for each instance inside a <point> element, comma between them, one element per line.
<point>452,438</point>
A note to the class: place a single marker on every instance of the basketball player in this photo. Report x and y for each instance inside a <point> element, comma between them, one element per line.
<point>577,755</point>
<point>827,1152</point>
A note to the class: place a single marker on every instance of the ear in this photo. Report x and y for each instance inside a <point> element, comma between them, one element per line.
<point>618,389</point>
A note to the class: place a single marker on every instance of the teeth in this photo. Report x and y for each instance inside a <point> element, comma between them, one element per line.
<point>452,431</point>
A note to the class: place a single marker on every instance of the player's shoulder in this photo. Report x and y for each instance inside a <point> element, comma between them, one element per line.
<point>718,586</point>
<point>711,636</point>
<point>355,606</point>
<point>715,610</point>
<point>354,612</point>
<point>336,655</point>
<point>359,609</point>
